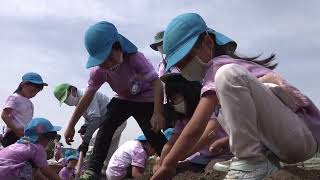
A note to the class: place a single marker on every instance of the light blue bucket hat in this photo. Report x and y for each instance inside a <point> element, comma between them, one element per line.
<point>183,32</point>
<point>72,157</point>
<point>167,133</point>
<point>34,78</point>
<point>99,39</point>
<point>68,153</point>
<point>37,127</point>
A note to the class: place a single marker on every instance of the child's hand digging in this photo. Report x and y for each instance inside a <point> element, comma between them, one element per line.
<point>219,145</point>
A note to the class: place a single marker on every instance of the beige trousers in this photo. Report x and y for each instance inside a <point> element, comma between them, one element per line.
<point>256,120</point>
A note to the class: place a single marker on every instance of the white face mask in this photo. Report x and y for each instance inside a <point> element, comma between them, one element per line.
<point>116,66</point>
<point>180,107</point>
<point>194,70</point>
<point>72,100</point>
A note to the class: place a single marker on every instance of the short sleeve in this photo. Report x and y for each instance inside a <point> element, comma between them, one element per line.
<point>10,103</point>
<point>208,83</point>
<point>142,66</point>
<point>93,111</point>
<point>97,77</point>
<point>139,157</point>
<point>40,156</point>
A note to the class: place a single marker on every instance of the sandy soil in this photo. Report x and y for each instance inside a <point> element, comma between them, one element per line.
<point>205,173</point>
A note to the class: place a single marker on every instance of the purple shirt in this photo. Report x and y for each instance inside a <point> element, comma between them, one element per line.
<point>67,174</point>
<point>131,81</point>
<point>22,110</point>
<point>216,63</point>
<point>14,157</point>
<point>181,124</point>
<point>308,111</point>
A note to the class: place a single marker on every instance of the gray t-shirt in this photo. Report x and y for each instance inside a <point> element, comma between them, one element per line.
<point>98,106</point>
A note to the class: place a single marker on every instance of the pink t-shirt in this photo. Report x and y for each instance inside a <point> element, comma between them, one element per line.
<point>161,69</point>
<point>67,174</point>
<point>22,110</point>
<point>129,153</point>
<point>14,157</point>
<point>208,81</point>
<point>131,81</point>
<point>308,111</point>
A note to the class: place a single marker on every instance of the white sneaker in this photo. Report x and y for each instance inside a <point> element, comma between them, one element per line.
<point>222,166</point>
<point>251,170</point>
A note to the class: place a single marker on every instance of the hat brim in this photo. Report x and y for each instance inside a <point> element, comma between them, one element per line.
<point>180,53</point>
<point>155,45</point>
<point>72,157</point>
<point>141,138</point>
<point>100,57</point>
<point>64,97</point>
<point>166,77</point>
<point>221,39</point>
<point>184,49</point>
<point>38,82</point>
<point>126,45</point>
<point>168,133</point>
<point>55,128</point>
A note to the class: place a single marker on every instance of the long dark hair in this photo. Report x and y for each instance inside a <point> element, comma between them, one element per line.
<point>190,90</point>
<point>229,49</point>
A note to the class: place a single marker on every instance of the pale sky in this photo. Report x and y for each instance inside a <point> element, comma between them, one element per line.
<point>47,37</point>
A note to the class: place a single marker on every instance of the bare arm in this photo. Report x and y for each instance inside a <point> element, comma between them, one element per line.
<point>49,173</point>
<point>165,151</point>
<point>220,145</point>
<point>137,171</point>
<point>158,121</point>
<point>6,115</point>
<point>206,138</point>
<point>158,96</point>
<point>192,132</point>
<point>82,106</point>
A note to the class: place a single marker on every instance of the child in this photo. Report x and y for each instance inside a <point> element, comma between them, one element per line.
<point>18,159</point>
<point>18,109</point>
<point>68,172</point>
<point>259,124</point>
<point>57,148</point>
<point>94,116</point>
<point>67,153</point>
<point>139,91</point>
<point>131,158</point>
<point>183,96</point>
